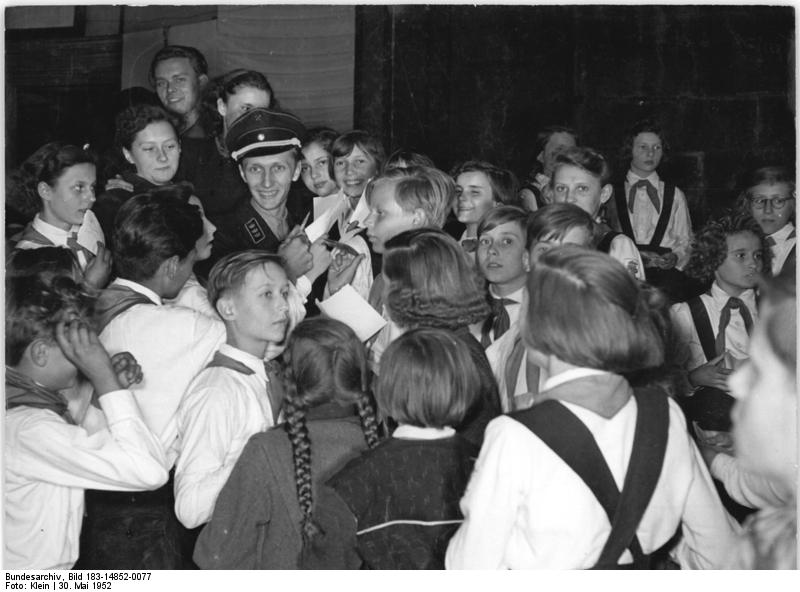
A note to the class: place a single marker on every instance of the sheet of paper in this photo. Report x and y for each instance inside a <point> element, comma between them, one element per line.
<point>350,308</point>
<point>323,222</point>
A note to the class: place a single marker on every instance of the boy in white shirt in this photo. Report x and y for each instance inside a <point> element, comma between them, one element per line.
<point>49,460</point>
<point>154,248</point>
<point>235,396</point>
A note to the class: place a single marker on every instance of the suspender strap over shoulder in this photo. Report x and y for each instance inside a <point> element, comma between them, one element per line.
<point>572,441</point>
<point>624,218</point>
<point>666,212</point>
<point>703,326</point>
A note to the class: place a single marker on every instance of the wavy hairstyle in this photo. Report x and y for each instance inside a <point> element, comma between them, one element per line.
<point>586,309</point>
<point>710,245</point>
<point>431,281</point>
<point>769,175</point>
<point>46,165</point>
<point>35,307</point>
<point>226,85</point>
<point>588,159</point>
<point>643,126</point>
<point>324,363</point>
<point>131,120</point>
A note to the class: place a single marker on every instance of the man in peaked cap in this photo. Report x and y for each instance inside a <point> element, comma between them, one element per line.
<point>265,143</point>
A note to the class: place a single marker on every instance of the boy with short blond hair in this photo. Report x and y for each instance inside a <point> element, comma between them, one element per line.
<point>236,395</point>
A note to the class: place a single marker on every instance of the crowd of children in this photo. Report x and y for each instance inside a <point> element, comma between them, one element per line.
<point>562,374</point>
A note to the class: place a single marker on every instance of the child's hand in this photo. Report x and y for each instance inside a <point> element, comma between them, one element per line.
<point>99,269</point>
<point>296,253</point>
<point>127,369</point>
<point>342,270</point>
<point>322,259</point>
<point>711,374</point>
<point>82,347</point>
<point>667,261</point>
<point>711,443</point>
<point>118,183</point>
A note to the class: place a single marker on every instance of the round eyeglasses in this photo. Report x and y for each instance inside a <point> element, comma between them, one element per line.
<point>777,203</point>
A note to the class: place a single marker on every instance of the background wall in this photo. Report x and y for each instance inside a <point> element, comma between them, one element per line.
<point>453,81</point>
<point>464,81</point>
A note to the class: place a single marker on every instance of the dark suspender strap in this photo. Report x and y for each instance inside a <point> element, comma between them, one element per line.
<point>220,360</point>
<point>621,202</point>
<point>571,440</point>
<point>790,263</point>
<point>644,469</point>
<point>666,212</point>
<point>604,244</point>
<point>703,326</point>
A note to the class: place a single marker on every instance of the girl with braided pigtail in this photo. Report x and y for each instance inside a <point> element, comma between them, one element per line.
<point>257,524</point>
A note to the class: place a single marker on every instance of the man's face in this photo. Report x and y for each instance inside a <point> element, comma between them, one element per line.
<point>178,86</point>
<point>270,177</point>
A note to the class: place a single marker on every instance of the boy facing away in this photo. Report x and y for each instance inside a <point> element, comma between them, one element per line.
<point>49,459</point>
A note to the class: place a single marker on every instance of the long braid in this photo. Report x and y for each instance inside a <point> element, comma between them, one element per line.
<point>301,454</point>
<point>368,421</point>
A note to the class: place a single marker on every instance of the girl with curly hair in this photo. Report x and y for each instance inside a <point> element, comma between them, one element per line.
<point>265,513</point>
<point>54,189</point>
<point>730,254</point>
<point>430,282</point>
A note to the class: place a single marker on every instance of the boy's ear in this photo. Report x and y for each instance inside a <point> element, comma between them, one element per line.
<point>297,168</point>
<point>169,267</point>
<point>226,308</point>
<point>419,218</point>
<point>540,157</point>
<point>39,352</point>
<point>605,192</point>
<point>241,172</point>
<point>127,154</point>
<point>526,261</point>
<point>221,108</point>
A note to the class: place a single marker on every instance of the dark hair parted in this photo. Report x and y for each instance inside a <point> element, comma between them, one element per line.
<point>45,165</point>
<point>504,184</point>
<point>131,120</point>
<point>149,229</point>
<point>415,187</point>
<point>324,363</point>
<point>587,310</point>
<point>224,87</point>
<point>325,137</point>
<point>553,221</point>
<point>644,126</point>
<point>503,215</point>
<point>196,59</point>
<point>588,159</point>
<point>779,315</point>
<point>344,144</point>
<point>431,281</point>
<point>710,245</point>
<point>404,157</point>
<point>427,379</point>
<point>230,272</point>
<point>35,307</point>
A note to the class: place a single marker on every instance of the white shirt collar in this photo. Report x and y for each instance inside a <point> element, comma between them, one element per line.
<point>652,177</point>
<point>782,234</point>
<point>569,375</point>
<point>721,296</point>
<point>58,235</point>
<point>409,432</point>
<point>516,295</point>
<point>140,289</point>
<point>253,362</point>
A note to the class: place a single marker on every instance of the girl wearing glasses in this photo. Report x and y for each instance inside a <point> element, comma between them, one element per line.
<point>769,194</point>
